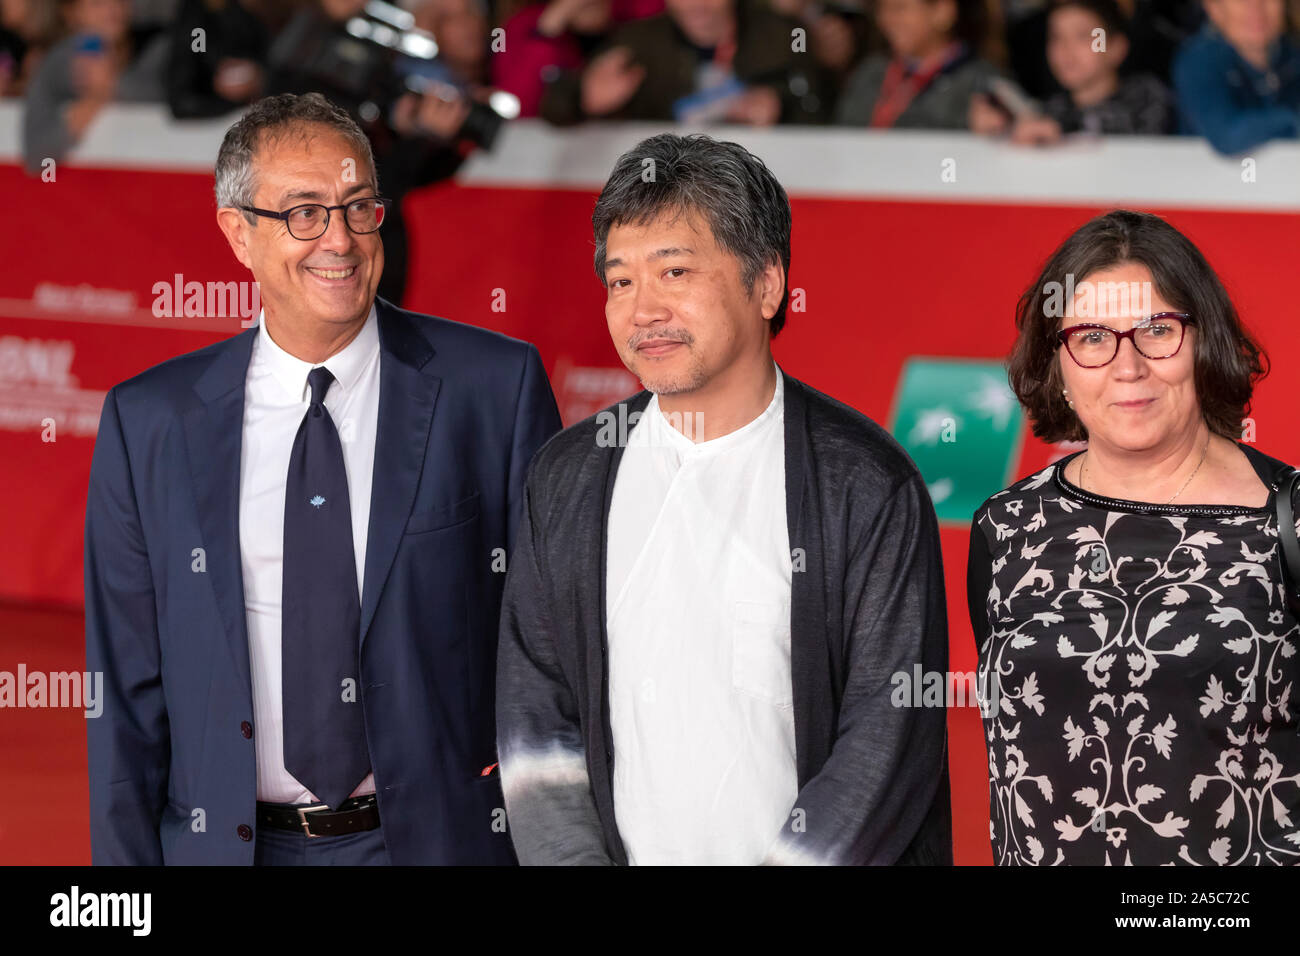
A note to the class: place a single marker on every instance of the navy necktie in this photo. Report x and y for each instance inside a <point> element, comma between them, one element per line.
<point>324,728</point>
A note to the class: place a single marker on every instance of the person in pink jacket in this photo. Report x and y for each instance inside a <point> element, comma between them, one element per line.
<point>546,38</point>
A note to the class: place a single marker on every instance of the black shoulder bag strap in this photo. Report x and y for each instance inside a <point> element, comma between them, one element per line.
<point>1286,536</point>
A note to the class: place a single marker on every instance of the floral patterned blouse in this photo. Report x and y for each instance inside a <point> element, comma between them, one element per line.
<point>1136,670</point>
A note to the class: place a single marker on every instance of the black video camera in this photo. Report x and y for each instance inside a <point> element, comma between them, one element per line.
<point>366,63</point>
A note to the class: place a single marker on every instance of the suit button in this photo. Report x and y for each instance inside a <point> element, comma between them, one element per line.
<point>245,832</point>
<point>246,729</point>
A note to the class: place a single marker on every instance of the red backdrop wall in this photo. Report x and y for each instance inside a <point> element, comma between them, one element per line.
<point>883,280</point>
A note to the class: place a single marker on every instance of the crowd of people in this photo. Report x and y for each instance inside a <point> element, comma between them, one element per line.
<point>430,81</point>
<point>1031,71</point>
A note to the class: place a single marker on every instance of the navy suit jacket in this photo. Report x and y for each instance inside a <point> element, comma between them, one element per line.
<point>172,762</point>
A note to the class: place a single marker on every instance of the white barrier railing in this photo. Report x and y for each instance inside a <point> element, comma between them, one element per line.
<point>1175,172</point>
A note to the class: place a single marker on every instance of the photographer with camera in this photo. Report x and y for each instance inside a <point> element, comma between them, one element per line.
<point>421,115</point>
<point>227,70</point>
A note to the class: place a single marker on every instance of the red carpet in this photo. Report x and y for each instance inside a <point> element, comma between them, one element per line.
<point>43,799</point>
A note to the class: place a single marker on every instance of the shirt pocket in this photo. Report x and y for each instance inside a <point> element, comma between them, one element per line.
<point>760,652</point>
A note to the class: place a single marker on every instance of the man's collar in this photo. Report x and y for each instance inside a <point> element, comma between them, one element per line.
<point>345,365</point>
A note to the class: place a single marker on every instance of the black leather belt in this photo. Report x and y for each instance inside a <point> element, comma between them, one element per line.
<point>354,815</point>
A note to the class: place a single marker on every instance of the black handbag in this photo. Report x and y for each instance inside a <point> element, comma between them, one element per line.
<point>1286,536</point>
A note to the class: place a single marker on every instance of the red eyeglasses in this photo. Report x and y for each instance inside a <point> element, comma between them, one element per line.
<point>1158,336</point>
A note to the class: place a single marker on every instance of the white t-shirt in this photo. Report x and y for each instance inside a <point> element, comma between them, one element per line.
<point>698,581</point>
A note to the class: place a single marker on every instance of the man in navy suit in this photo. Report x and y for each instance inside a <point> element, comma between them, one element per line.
<point>295,546</point>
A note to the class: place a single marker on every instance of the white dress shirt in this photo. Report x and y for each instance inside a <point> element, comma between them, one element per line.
<point>276,397</point>
<point>698,575</point>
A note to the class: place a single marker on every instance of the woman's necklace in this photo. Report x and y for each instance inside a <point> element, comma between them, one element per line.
<point>1083,470</point>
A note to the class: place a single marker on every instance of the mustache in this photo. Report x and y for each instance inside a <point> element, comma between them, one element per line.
<point>665,335</point>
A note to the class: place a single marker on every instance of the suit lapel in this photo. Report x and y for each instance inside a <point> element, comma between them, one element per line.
<point>213,439</point>
<point>407,395</point>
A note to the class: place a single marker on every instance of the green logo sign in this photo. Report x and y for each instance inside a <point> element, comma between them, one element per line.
<point>962,425</point>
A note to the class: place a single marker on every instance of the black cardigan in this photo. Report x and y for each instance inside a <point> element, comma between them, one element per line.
<point>868,604</point>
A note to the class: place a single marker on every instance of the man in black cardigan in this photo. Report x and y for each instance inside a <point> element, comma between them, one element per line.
<point>717,580</point>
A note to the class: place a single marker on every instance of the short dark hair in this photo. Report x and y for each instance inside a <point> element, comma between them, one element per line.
<point>972,23</point>
<point>274,116</point>
<point>745,207</point>
<point>1107,12</point>
<point>1227,360</point>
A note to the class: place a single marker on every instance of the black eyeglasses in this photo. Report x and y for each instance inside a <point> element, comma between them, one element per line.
<point>310,220</point>
<point>1158,336</point>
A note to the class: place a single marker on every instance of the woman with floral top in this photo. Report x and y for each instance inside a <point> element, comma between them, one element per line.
<point>1136,651</point>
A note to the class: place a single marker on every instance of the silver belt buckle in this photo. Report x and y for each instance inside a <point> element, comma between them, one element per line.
<point>302,815</point>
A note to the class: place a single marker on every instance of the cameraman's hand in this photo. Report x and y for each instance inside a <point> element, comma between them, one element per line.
<point>402,117</point>
<point>237,80</point>
<point>609,81</point>
<point>442,113</point>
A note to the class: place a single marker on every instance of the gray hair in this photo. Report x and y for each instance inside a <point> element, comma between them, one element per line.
<point>275,116</point>
<point>745,207</point>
